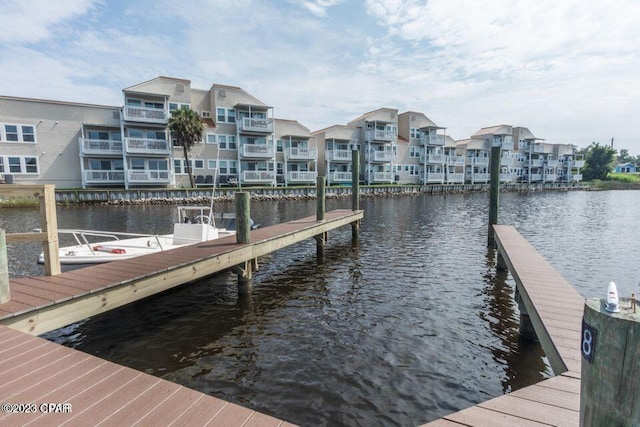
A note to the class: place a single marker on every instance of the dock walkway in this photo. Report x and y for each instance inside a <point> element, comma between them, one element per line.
<point>555,309</point>
<point>44,303</point>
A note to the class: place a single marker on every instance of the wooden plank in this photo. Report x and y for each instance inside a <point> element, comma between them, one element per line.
<point>478,416</point>
<point>533,411</point>
<point>549,396</point>
<point>26,237</point>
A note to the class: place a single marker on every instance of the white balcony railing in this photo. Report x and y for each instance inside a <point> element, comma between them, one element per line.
<point>535,177</point>
<point>480,161</point>
<point>145,114</point>
<point>434,177</point>
<point>297,153</point>
<point>380,156</point>
<point>551,177</point>
<point>577,164</point>
<point>383,177</point>
<point>432,140</point>
<point>455,178</point>
<point>258,176</point>
<point>248,124</point>
<point>507,145</point>
<point>536,148</point>
<point>552,163</point>
<point>257,151</point>
<point>506,160</point>
<point>103,176</point>
<point>576,177</point>
<point>455,160</point>
<point>480,177</point>
<point>507,177</point>
<point>435,158</point>
<point>297,176</point>
<point>381,135</point>
<point>149,176</point>
<point>537,163</point>
<point>340,176</point>
<point>147,146</point>
<point>339,155</point>
<point>101,146</point>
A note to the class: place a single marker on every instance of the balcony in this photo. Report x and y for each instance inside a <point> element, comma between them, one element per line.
<point>536,163</point>
<point>253,125</point>
<point>339,155</point>
<point>437,177</point>
<point>257,151</point>
<point>147,146</point>
<point>480,161</point>
<point>105,147</point>
<point>436,159</point>
<point>507,145</point>
<point>552,163</point>
<point>432,140</point>
<point>577,164</point>
<point>382,177</point>
<point>381,135</point>
<point>380,156</point>
<point>295,176</point>
<point>480,177</point>
<point>576,177</point>
<point>455,178</point>
<point>258,177</point>
<point>337,176</point>
<point>455,161</point>
<point>296,153</point>
<point>551,177</point>
<point>145,114</point>
<point>149,176</point>
<point>507,177</point>
<point>535,177</point>
<point>104,176</point>
<point>534,148</point>
<point>506,161</point>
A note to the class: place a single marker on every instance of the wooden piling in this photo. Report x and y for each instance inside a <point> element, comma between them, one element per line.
<point>49,224</point>
<point>355,191</point>
<point>610,365</point>
<point>4,269</point>
<point>243,236</point>
<point>494,191</point>
<point>320,198</point>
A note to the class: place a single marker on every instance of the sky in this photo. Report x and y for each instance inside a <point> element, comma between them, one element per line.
<point>567,70</point>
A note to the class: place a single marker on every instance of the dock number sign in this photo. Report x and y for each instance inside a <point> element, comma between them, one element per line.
<point>588,342</point>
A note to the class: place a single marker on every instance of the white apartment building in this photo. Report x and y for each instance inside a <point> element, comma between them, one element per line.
<point>77,145</point>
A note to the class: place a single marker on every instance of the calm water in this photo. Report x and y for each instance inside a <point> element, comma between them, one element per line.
<point>408,325</point>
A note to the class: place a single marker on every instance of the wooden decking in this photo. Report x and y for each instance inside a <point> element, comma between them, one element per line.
<point>555,309</point>
<point>41,304</point>
<point>92,391</point>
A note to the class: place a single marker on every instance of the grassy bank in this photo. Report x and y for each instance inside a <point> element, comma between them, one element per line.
<point>619,181</point>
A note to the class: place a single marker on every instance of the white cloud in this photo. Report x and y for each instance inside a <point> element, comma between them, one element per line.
<point>317,7</point>
<point>33,20</point>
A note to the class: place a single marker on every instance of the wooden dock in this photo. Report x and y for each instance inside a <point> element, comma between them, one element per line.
<point>555,310</point>
<point>44,303</point>
<point>89,390</point>
<point>55,385</point>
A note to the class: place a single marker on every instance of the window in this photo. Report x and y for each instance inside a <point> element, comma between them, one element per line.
<point>206,114</point>
<point>414,151</point>
<point>174,106</point>
<point>231,116</point>
<point>227,142</point>
<point>210,138</point>
<point>279,146</point>
<point>177,166</point>
<point>19,165</point>
<point>198,163</point>
<point>225,115</point>
<point>211,164</point>
<point>414,133</point>
<point>17,133</point>
<point>137,164</point>
<point>280,168</point>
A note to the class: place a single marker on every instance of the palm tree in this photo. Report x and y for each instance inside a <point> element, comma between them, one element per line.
<point>186,127</point>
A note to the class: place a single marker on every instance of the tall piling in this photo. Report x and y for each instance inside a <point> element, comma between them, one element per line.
<point>243,236</point>
<point>610,374</point>
<point>4,269</point>
<point>494,192</point>
<point>321,239</point>
<point>355,191</point>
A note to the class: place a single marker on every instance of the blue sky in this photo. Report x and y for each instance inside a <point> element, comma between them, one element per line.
<point>566,70</point>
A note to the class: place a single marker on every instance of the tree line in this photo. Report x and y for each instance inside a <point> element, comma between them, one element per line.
<point>600,160</point>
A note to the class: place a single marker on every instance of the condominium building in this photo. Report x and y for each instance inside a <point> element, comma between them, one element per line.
<point>83,145</point>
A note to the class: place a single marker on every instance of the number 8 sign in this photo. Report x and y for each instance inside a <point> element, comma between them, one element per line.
<point>588,342</point>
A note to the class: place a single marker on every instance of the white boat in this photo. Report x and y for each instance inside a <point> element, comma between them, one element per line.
<point>195,224</point>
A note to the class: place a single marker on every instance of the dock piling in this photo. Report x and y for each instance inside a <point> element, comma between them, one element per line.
<point>610,365</point>
<point>355,191</point>
<point>320,198</point>
<point>244,271</point>
<point>494,191</point>
<point>4,269</point>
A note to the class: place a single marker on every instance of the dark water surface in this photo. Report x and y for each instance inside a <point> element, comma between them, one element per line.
<point>408,325</point>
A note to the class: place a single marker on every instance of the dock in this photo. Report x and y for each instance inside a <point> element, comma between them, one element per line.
<point>555,310</point>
